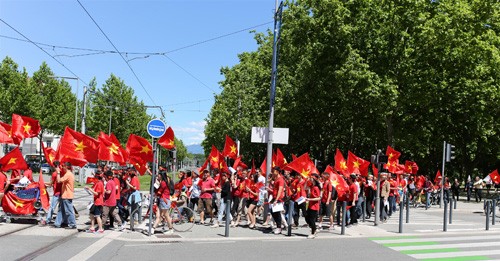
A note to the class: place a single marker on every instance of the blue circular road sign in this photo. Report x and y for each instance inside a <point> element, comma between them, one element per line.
<point>156,128</point>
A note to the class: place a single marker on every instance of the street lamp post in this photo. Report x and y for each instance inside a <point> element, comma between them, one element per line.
<point>77,88</point>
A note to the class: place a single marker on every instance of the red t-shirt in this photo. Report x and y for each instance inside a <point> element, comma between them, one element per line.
<point>14,176</point>
<point>3,180</point>
<point>99,189</point>
<point>237,191</point>
<point>353,192</point>
<point>135,182</point>
<point>254,189</point>
<point>280,182</point>
<point>110,199</point>
<point>28,174</point>
<point>56,186</point>
<point>164,191</point>
<point>314,205</point>
<point>187,182</point>
<point>207,184</point>
<point>327,191</point>
<point>394,187</point>
<point>118,188</point>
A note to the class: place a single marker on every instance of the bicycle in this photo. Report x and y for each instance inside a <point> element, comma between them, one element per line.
<point>182,218</point>
<point>490,202</point>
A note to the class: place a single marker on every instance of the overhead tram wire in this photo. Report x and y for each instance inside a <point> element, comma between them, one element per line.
<point>121,55</point>
<point>98,52</point>
<point>59,62</point>
<point>190,74</point>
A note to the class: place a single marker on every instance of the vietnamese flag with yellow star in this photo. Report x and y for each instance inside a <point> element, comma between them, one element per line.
<point>15,205</point>
<point>6,134</point>
<point>50,154</point>
<point>238,163</point>
<point>213,158</point>
<point>167,141</point>
<point>341,163</point>
<point>139,164</point>
<point>44,196</point>
<point>139,147</point>
<point>230,149</point>
<point>357,165</point>
<point>13,160</point>
<point>77,148</point>
<point>24,127</point>
<point>111,149</point>
<point>340,185</point>
<point>280,159</point>
<point>303,165</point>
<point>411,167</point>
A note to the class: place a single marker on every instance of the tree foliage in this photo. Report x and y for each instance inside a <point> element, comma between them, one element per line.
<point>360,75</point>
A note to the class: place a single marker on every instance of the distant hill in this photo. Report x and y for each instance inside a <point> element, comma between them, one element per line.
<point>195,149</point>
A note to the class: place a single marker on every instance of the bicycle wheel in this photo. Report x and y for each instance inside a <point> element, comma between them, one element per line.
<point>182,219</point>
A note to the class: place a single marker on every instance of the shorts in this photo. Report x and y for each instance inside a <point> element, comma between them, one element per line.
<point>95,210</point>
<point>325,209</point>
<point>164,204</point>
<point>252,202</point>
<point>205,205</point>
<point>242,206</point>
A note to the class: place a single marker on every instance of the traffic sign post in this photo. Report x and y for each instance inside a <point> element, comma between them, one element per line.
<point>156,128</point>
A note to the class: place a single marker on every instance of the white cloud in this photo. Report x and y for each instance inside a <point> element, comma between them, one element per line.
<point>200,124</point>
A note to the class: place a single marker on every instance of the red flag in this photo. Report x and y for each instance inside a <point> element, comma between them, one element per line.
<point>411,167</point>
<point>238,163</point>
<point>6,134</point>
<point>213,157</point>
<point>392,154</point>
<point>44,196</point>
<point>303,165</point>
<point>50,154</point>
<point>91,180</point>
<point>204,166</point>
<point>357,165</point>
<point>294,157</point>
<point>420,182</point>
<point>78,148</point>
<point>139,164</point>
<point>222,164</point>
<point>400,169</point>
<point>167,141</point>
<point>24,127</point>
<point>15,205</point>
<point>495,177</point>
<point>139,147</point>
<point>392,166</point>
<point>111,149</point>
<point>340,163</point>
<point>280,160</point>
<point>340,185</point>
<point>13,160</point>
<point>375,170</point>
<point>230,150</point>
<point>252,171</point>
<point>437,179</point>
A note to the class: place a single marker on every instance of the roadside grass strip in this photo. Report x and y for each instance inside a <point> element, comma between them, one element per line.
<point>458,258</point>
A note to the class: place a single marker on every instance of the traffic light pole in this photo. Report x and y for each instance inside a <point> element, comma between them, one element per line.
<point>442,175</point>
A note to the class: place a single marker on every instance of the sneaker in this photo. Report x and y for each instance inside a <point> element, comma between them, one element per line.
<point>121,228</point>
<point>320,228</point>
<point>169,232</point>
<point>90,230</point>
<point>311,237</point>
<point>277,231</point>
<point>124,224</point>
<point>215,225</point>
<point>71,227</point>
<point>331,228</point>
<point>43,223</point>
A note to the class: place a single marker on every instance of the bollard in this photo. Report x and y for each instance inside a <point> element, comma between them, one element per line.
<point>401,216</point>
<point>451,211</point>
<point>445,221</point>
<point>408,207</point>
<point>487,215</point>
<point>363,205</point>
<point>455,204</point>
<point>493,205</point>
<point>290,217</point>
<point>228,217</point>
<point>344,207</point>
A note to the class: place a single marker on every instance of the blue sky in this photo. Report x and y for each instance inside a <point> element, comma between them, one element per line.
<point>140,27</point>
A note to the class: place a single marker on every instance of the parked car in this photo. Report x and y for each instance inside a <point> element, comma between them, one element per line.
<point>45,168</point>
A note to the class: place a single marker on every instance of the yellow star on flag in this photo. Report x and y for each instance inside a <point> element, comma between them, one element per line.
<point>391,155</point>
<point>113,149</point>
<point>52,157</point>
<point>17,203</point>
<point>215,159</point>
<point>343,165</point>
<point>335,183</point>
<point>356,164</point>
<point>171,142</point>
<point>409,168</point>
<point>27,128</point>
<point>233,149</point>
<point>44,192</point>
<point>145,149</point>
<point>305,173</point>
<point>10,133</point>
<point>12,161</point>
<point>80,146</point>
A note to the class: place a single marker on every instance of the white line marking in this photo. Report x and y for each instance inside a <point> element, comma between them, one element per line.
<point>148,244</point>
<point>96,247</point>
<point>438,239</point>
<point>215,242</point>
<point>457,254</point>
<point>458,245</point>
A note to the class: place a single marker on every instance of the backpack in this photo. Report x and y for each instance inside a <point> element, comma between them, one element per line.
<point>171,187</point>
<point>334,193</point>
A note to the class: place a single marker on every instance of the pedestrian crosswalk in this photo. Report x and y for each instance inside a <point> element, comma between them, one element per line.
<point>465,246</point>
<point>422,217</point>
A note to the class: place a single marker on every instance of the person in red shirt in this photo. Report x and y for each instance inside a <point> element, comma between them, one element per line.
<point>241,197</point>
<point>353,199</point>
<point>207,187</point>
<point>3,183</point>
<point>164,202</point>
<point>298,191</point>
<point>134,186</point>
<point>95,211</point>
<point>278,193</point>
<point>56,187</point>
<point>253,199</point>
<point>109,204</point>
<point>313,207</point>
<point>28,174</point>
<point>392,194</point>
<point>326,202</point>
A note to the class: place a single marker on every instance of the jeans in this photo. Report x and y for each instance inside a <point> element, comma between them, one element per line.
<point>65,213</point>
<point>53,204</point>
<point>222,210</point>
<point>392,204</point>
